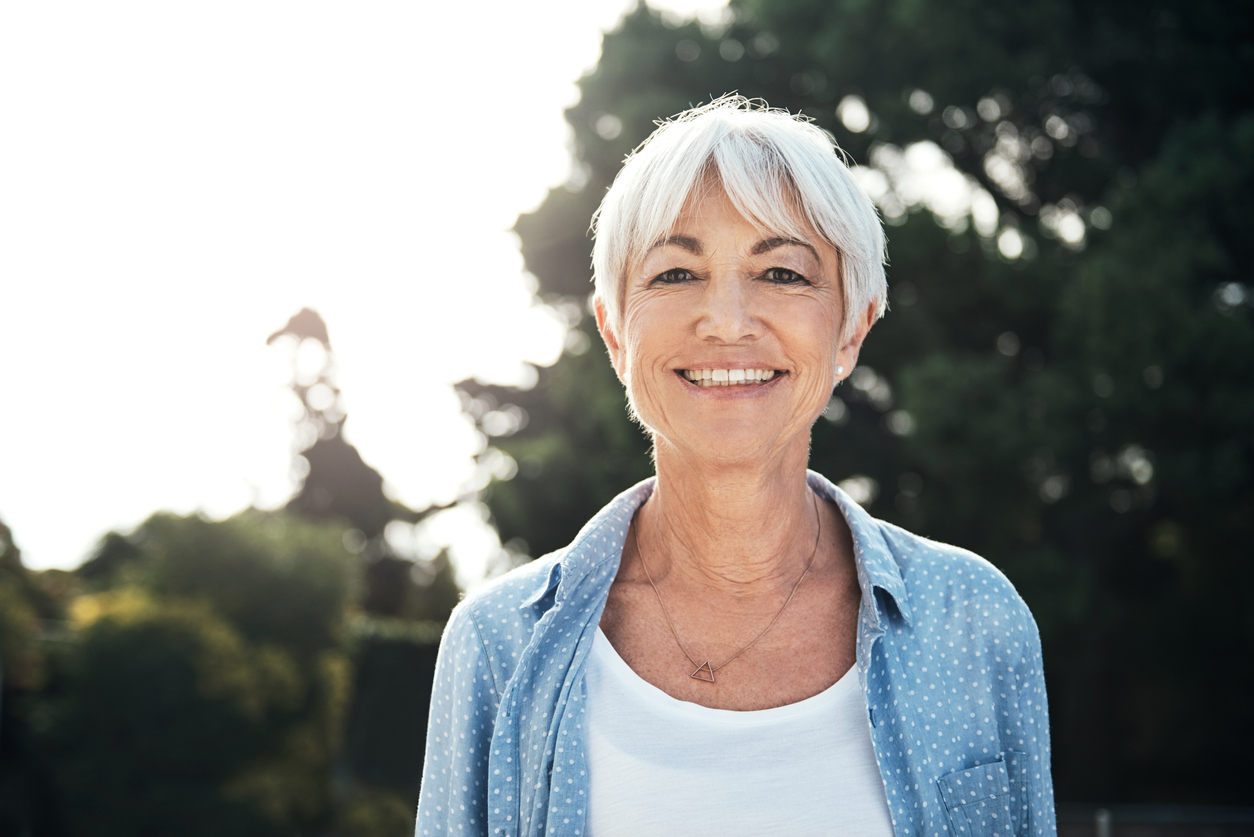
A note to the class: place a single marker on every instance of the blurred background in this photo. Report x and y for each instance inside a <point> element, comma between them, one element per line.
<point>230,541</point>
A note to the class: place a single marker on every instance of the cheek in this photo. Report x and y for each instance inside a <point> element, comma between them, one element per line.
<point>819,333</point>
<point>649,336</point>
<point>646,346</point>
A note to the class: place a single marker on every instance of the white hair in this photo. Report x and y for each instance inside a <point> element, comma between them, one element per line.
<point>770,163</point>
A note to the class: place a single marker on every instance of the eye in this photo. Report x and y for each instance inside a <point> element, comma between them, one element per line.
<point>674,276</point>
<point>784,276</point>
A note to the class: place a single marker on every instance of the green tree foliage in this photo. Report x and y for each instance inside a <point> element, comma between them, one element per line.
<point>216,675</point>
<point>26,785</point>
<point>168,703</point>
<point>371,812</point>
<point>1079,413</point>
<point>206,690</point>
<point>577,450</point>
<point>277,579</point>
<point>402,604</point>
<point>21,607</point>
<point>387,726</point>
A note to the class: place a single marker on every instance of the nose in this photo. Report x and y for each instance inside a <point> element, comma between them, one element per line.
<point>727,314</point>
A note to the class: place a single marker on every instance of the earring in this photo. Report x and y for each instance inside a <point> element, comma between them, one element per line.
<point>840,370</point>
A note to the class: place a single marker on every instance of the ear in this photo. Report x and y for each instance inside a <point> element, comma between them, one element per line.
<point>848,354</point>
<point>612,343</point>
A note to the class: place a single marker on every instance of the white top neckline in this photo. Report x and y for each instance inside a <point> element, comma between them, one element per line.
<point>646,691</point>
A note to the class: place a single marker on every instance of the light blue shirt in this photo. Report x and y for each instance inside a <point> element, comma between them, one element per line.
<point>948,658</point>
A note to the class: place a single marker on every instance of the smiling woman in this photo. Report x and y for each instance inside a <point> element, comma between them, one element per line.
<point>720,295</point>
<point>736,639</point>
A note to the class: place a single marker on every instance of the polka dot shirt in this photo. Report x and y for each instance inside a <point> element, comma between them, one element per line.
<point>948,657</point>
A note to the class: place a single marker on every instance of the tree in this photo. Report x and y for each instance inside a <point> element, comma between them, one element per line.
<point>403,603</point>
<point>26,784</point>
<point>338,485</point>
<point>1064,383</point>
<point>218,674</point>
<point>205,689</point>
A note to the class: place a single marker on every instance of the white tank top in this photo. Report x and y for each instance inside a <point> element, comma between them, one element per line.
<point>659,765</point>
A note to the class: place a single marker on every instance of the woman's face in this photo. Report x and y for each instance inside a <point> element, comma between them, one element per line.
<point>728,341</point>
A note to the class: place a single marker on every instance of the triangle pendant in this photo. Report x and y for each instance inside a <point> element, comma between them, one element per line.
<point>705,672</point>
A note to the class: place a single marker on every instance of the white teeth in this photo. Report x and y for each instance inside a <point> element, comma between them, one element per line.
<point>727,377</point>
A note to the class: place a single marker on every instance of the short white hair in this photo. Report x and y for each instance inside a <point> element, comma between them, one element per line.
<point>770,163</point>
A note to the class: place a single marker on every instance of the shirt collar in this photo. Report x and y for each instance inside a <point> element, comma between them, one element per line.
<point>877,567</point>
<point>601,540</point>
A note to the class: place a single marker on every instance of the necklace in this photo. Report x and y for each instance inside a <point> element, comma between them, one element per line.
<point>705,671</point>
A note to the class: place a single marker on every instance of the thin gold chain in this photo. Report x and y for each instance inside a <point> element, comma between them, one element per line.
<point>712,668</point>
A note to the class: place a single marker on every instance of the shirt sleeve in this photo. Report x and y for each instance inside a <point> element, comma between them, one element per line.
<point>453,798</point>
<point>1034,714</point>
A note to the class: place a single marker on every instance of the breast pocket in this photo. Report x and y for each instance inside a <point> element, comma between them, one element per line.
<point>979,800</point>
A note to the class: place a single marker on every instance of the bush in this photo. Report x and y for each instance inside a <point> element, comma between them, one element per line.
<point>205,690</point>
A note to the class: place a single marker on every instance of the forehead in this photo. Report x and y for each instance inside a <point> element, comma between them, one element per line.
<point>711,212</point>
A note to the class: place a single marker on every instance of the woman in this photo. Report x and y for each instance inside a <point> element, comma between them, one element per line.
<point>734,646</point>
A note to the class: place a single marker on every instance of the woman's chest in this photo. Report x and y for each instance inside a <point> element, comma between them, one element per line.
<point>657,764</point>
<point>722,659</point>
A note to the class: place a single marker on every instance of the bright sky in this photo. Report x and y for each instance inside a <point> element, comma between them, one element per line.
<point>177,179</point>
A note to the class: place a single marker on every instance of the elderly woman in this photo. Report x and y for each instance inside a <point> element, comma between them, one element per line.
<point>735,647</point>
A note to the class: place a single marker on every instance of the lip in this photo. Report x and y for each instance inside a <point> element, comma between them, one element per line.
<point>720,363</point>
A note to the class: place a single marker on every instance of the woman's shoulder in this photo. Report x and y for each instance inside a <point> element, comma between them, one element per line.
<point>916,553</point>
<point>955,584</point>
<point>494,622</point>
<point>936,584</point>
<point>510,593</point>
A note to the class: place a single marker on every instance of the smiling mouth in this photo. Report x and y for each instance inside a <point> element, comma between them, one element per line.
<point>729,377</point>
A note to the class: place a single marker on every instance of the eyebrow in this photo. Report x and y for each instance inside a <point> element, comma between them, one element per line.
<point>693,246</point>
<point>770,244</point>
<point>687,242</point>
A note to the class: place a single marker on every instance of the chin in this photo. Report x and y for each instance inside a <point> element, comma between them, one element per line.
<point>725,442</point>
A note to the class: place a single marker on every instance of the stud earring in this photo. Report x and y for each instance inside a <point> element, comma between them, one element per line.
<point>840,370</point>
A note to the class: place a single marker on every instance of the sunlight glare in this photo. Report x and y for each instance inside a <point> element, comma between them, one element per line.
<point>181,179</point>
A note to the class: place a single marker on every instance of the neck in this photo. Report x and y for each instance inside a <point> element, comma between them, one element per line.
<point>740,529</point>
